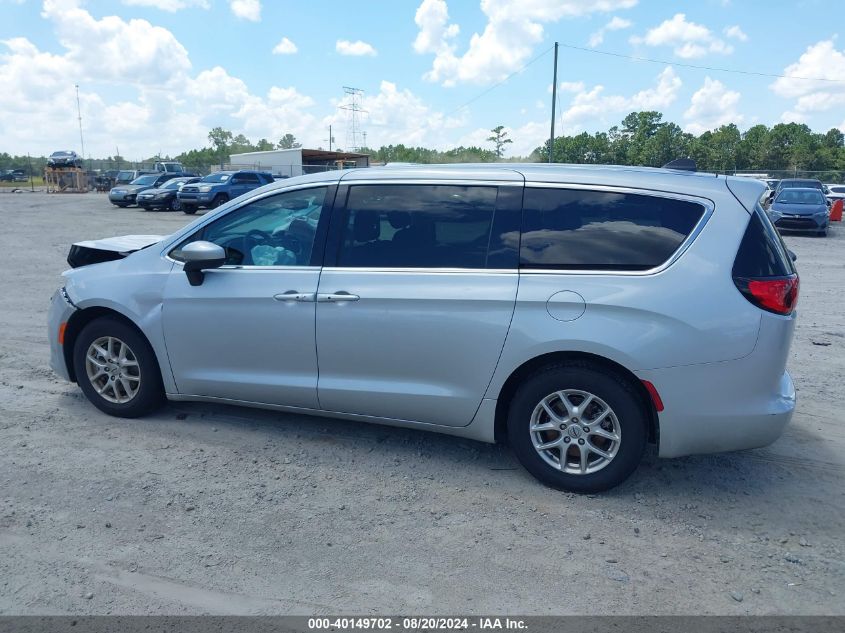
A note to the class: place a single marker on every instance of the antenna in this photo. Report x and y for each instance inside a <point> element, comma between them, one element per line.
<point>353,108</point>
<point>79,116</point>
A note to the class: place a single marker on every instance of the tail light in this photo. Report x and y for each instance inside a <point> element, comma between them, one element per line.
<point>775,294</point>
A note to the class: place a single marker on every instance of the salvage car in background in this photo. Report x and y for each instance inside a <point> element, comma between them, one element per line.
<point>565,308</point>
<point>125,195</point>
<point>64,158</point>
<point>220,187</point>
<point>801,209</point>
<point>164,197</point>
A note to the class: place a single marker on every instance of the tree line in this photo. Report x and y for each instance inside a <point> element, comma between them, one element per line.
<point>641,138</point>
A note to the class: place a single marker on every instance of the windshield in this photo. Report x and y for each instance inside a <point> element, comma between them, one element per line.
<point>218,177</point>
<point>145,180</point>
<point>59,154</point>
<point>176,183</point>
<point>800,196</point>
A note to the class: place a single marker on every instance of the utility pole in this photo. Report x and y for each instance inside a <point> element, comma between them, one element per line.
<point>79,116</point>
<point>330,138</point>
<point>554,100</point>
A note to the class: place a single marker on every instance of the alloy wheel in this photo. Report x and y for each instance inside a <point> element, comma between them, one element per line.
<point>113,369</point>
<point>575,431</point>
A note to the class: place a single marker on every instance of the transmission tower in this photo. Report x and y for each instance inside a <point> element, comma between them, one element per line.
<point>354,110</point>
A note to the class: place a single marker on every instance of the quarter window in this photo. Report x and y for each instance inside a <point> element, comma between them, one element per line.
<point>275,231</point>
<point>599,230</point>
<point>417,226</point>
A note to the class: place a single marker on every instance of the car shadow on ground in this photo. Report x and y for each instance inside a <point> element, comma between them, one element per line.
<point>762,473</point>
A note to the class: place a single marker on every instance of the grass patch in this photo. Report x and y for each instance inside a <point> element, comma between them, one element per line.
<point>38,181</point>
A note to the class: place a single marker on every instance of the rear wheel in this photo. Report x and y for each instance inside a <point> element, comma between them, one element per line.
<point>116,369</point>
<point>578,427</point>
<point>174,205</point>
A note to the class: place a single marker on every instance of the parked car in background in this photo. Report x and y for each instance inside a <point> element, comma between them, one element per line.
<point>172,166</point>
<point>125,176</point>
<point>164,197</point>
<point>565,308</point>
<point>834,192</point>
<point>799,183</point>
<point>64,158</point>
<point>800,209</point>
<point>125,195</point>
<point>7,176</point>
<point>220,187</point>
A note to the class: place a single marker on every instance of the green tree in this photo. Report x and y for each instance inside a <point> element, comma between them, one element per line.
<point>499,139</point>
<point>288,141</point>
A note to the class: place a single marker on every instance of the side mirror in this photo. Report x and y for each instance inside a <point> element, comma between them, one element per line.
<point>792,255</point>
<point>200,256</point>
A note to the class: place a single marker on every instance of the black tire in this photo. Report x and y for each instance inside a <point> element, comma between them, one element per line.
<point>150,393</point>
<point>174,205</point>
<point>822,233</point>
<point>189,209</point>
<point>220,198</point>
<point>612,388</point>
<point>122,205</point>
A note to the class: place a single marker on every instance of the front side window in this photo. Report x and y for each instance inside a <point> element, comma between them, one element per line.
<point>417,226</point>
<point>599,230</point>
<point>274,231</point>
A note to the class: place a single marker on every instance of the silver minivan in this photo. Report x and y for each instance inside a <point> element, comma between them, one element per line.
<point>576,312</point>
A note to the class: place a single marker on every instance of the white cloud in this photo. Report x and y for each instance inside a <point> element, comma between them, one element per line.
<point>397,115</point>
<point>246,9</point>
<point>615,24</point>
<point>170,6</point>
<point>154,102</point>
<point>136,51</point>
<point>594,105</point>
<point>821,60</point>
<point>688,39</point>
<point>432,19</point>
<point>357,48</point>
<point>285,47</point>
<point>711,106</point>
<point>735,32</point>
<point>513,29</point>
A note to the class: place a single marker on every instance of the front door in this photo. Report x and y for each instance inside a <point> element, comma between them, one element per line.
<point>414,311</point>
<point>247,333</point>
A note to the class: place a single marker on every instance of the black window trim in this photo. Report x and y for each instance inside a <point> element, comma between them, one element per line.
<point>317,250</point>
<point>340,218</point>
<point>707,203</point>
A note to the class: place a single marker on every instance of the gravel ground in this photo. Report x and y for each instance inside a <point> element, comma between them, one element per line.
<point>213,509</point>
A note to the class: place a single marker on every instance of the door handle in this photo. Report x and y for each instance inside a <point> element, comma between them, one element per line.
<point>337,297</point>
<point>293,295</point>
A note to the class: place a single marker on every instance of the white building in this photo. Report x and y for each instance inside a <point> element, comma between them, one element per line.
<point>297,161</point>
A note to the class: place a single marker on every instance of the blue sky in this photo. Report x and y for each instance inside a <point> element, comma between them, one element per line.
<point>156,75</point>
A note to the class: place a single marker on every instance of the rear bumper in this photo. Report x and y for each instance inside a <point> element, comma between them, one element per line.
<point>728,406</point>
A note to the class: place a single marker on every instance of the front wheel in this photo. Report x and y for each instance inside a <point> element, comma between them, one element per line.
<point>189,209</point>
<point>578,427</point>
<point>219,199</point>
<point>116,369</point>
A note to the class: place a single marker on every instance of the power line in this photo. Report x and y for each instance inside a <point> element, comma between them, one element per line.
<point>505,80</point>
<point>698,66</point>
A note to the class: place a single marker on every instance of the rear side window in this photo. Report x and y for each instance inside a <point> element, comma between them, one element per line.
<point>417,226</point>
<point>762,252</point>
<point>598,230</point>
